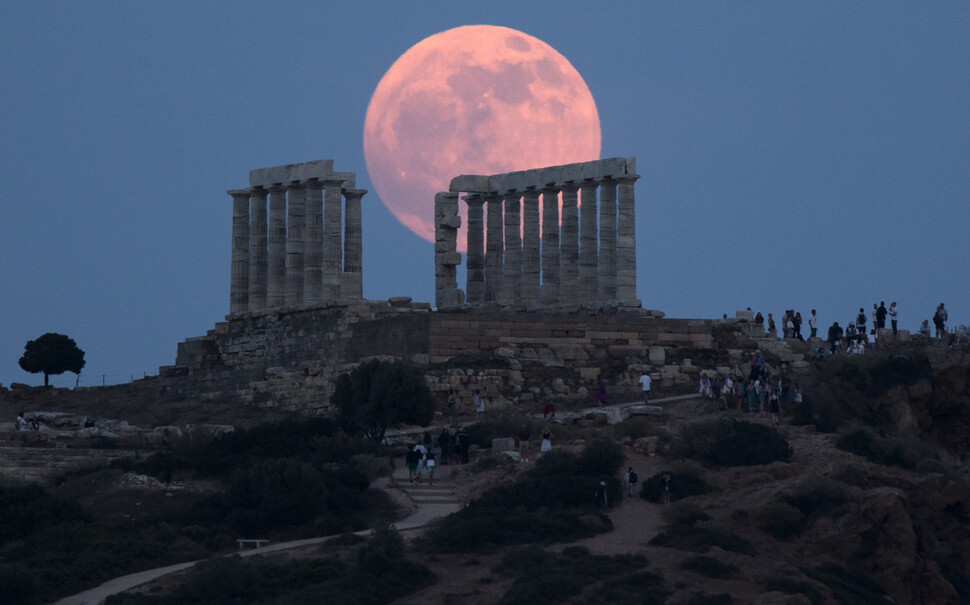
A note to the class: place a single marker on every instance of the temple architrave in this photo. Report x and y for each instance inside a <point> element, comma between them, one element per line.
<point>306,249</point>
<point>581,259</point>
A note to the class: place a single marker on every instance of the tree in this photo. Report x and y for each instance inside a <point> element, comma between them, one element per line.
<point>52,354</point>
<point>378,394</point>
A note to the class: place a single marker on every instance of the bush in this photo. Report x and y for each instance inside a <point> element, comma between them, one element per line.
<point>684,482</point>
<point>789,586</point>
<point>684,514</point>
<point>783,520</point>
<point>701,536</point>
<point>887,451</point>
<point>709,567</point>
<point>818,497</point>
<point>842,388</point>
<point>732,443</point>
<point>27,508</point>
<point>602,456</point>
<point>551,578</point>
<point>273,493</point>
<point>848,586</point>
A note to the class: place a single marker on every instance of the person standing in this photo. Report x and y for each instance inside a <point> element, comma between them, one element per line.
<point>524,436</point>
<point>546,444</point>
<point>813,324</point>
<point>602,500</point>
<point>943,317</point>
<point>645,387</point>
<point>631,480</point>
<point>444,444</point>
<point>938,321</point>
<point>452,403</point>
<point>893,317</point>
<point>665,494</point>
<point>479,406</point>
<point>881,315</point>
<point>429,463</point>
<point>860,320</point>
<point>411,460</point>
<point>771,326</point>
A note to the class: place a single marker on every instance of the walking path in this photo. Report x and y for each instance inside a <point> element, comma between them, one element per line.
<point>432,502</point>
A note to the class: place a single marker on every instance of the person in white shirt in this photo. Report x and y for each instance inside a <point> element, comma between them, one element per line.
<point>645,386</point>
<point>813,324</point>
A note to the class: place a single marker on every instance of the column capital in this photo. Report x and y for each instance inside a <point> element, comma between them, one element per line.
<point>626,179</point>
<point>354,194</point>
<point>295,186</point>
<point>474,198</point>
<point>315,184</point>
<point>238,194</point>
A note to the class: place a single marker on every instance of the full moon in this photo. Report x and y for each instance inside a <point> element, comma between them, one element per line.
<point>477,99</point>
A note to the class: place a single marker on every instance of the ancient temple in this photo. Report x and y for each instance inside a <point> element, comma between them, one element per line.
<point>584,257</point>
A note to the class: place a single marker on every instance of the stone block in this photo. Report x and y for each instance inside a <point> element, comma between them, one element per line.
<point>551,175</point>
<point>287,173</point>
<point>744,315</point>
<point>657,356</point>
<point>469,183</point>
<point>646,410</point>
<point>589,374</point>
<point>452,221</point>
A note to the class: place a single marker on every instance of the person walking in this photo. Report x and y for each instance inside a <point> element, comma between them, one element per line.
<point>631,481</point>
<point>546,444</point>
<point>645,387</point>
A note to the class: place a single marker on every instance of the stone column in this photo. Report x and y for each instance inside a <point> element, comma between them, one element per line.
<point>588,258</point>
<point>550,246</point>
<point>257,250</point>
<point>239,266</point>
<point>446,255</point>
<point>475,287</point>
<point>352,284</point>
<point>313,244</point>
<point>530,248</point>
<point>626,241</point>
<point>276,248</point>
<point>295,224</point>
<point>494,244</point>
<point>569,245</point>
<point>332,247</point>
<point>512,293</point>
<point>607,257</point>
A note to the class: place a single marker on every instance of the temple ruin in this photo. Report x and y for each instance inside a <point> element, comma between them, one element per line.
<point>306,249</point>
<point>582,259</point>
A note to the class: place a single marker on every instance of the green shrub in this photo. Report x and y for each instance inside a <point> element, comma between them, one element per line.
<point>789,586</point>
<point>732,442</point>
<point>701,536</point>
<point>601,457</point>
<point>27,508</point>
<point>902,450</point>
<point>273,493</point>
<point>555,578</point>
<point>783,520</point>
<point>684,482</point>
<point>849,587</point>
<point>818,497</point>
<point>641,588</point>
<point>684,514</point>
<point>709,567</point>
<point>842,388</point>
<point>702,598</point>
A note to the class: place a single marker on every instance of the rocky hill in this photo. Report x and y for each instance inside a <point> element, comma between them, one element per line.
<point>871,505</point>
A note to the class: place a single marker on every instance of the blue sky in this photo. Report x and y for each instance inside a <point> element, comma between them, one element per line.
<point>793,155</point>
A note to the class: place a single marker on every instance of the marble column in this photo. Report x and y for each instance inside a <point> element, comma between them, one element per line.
<point>607,255</point>
<point>475,288</point>
<point>626,241</point>
<point>239,266</point>
<point>257,250</point>
<point>332,246</point>
<point>569,245</point>
<point>512,293</point>
<point>550,246</point>
<point>588,257</point>
<point>446,255</point>
<point>276,248</point>
<point>530,248</point>
<point>313,244</point>
<point>295,223</point>
<point>494,244</point>
<point>352,285</point>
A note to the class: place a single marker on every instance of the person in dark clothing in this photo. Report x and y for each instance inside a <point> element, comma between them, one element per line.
<point>444,444</point>
<point>881,313</point>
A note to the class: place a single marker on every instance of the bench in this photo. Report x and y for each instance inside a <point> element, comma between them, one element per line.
<point>243,542</point>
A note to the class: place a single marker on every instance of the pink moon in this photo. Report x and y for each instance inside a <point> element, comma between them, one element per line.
<point>477,99</point>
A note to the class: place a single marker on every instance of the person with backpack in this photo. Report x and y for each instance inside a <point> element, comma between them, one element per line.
<point>860,321</point>
<point>631,480</point>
